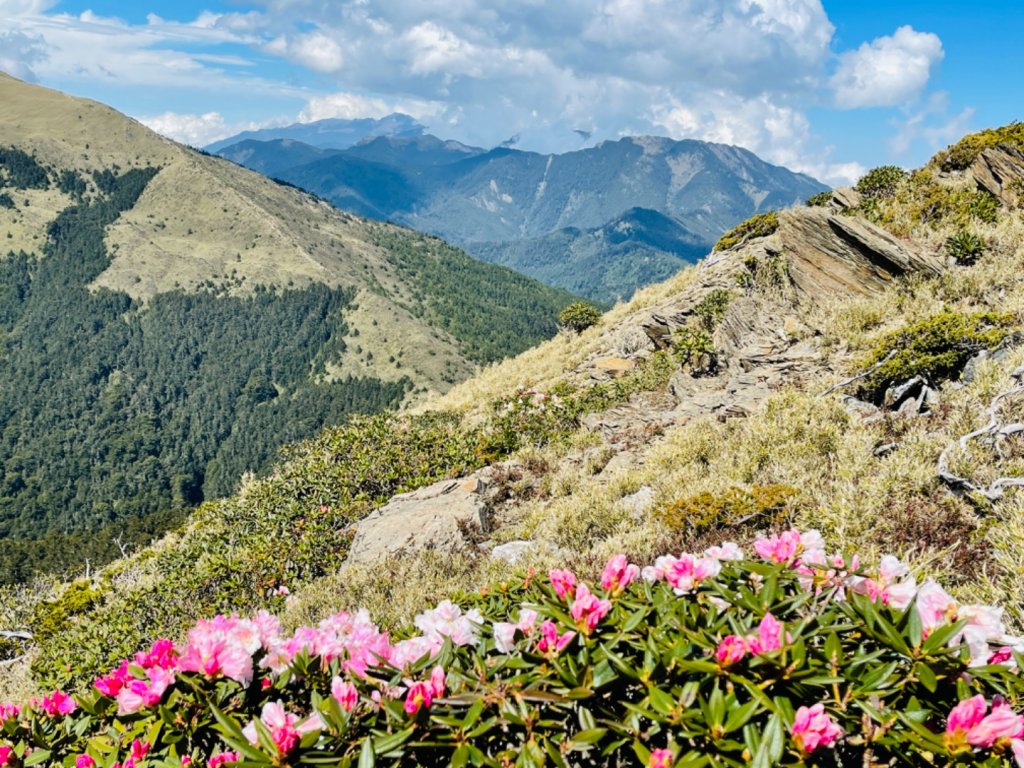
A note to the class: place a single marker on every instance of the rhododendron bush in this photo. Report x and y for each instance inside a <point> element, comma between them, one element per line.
<point>780,656</point>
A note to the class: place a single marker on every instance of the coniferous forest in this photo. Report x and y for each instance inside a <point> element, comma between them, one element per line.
<point>116,416</point>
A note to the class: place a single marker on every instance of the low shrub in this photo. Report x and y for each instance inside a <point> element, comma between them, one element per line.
<point>881,182</point>
<point>790,658</point>
<point>579,316</point>
<point>761,506</point>
<point>819,200</point>
<point>759,225</point>
<point>962,154</point>
<point>965,247</point>
<point>937,348</point>
<point>710,310</point>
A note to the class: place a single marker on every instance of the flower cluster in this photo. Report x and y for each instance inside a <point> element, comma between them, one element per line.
<point>700,653</point>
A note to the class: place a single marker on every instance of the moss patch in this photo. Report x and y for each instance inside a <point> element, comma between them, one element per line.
<point>937,348</point>
<point>965,152</point>
<point>761,225</point>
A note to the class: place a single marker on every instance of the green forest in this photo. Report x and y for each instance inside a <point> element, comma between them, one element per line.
<point>115,417</point>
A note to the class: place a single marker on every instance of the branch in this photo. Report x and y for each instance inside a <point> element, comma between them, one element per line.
<point>861,375</point>
<point>15,634</point>
<point>994,490</point>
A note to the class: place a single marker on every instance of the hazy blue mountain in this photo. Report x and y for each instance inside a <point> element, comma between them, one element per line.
<point>523,209</point>
<point>332,133</point>
<point>605,263</point>
<point>273,157</point>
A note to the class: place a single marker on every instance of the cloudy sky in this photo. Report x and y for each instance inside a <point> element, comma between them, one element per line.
<point>830,88</point>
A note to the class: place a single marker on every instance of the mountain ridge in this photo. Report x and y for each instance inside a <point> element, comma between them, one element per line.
<point>505,197</point>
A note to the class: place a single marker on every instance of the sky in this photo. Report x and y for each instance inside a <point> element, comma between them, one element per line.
<point>829,88</point>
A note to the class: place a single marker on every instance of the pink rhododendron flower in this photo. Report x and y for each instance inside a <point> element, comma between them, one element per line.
<point>7,756</point>
<point>1001,655</point>
<point>9,711</point>
<point>618,574</point>
<point>731,650</point>
<point>344,693</point>
<point>221,758</point>
<point>162,654</point>
<point>283,726</point>
<point>686,573</point>
<point>660,758</point>
<point>550,642</point>
<point>769,636</point>
<point>505,632</point>
<point>587,610</point>
<point>110,685</point>
<point>728,550</point>
<point>564,583</point>
<point>967,714</point>
<point>84,761</point>
<point>1001,723</point>
<point>779,548</point>
<point>57,703</point>
<point>138,694</point>
<point>222,646</point>
<point>935,606</point>
<point>448,620</point>
<point>813,727</point>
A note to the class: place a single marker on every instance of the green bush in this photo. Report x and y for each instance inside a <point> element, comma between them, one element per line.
<point>937,348</point>
<point>695,349</point>
<point>880,182</point>
<point>788,657</point>
<point>965,247</point>
<point>962,154</point>
<point>579,316</point>
<point>761,506</point>
<point>712,308</point>
<point>819,200</point>
<point>759,225</point>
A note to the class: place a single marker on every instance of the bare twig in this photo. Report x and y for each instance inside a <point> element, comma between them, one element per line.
<point>861,375</point>
<point>15,634</point>
<point>993,490</point>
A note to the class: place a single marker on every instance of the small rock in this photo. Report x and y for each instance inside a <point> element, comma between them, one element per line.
<point>867,412</point>
<point>637,504</point>
<point>615,366</point>
<point>514,551</point>
<point>426,518</point>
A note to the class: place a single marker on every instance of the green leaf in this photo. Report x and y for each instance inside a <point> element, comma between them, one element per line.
<point>366,756</point>
<point>590,736</point>
<point>925,674</point>
<point>39,756</point>
<point>460,757</point>
<point>773,742</point>
<point>392,741</point>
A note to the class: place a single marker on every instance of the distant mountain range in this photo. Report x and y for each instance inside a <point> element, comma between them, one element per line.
<point>335,133</point>
<point>627,212</point>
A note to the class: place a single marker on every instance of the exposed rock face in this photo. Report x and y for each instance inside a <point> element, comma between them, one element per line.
<point>832,254</point>
<point>1000,171</point>
<point>431,517</point>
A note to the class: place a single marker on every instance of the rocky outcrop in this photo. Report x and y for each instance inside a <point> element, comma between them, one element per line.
<point>830,255</point>
<point>434,517</point>
<point>1000,171</point>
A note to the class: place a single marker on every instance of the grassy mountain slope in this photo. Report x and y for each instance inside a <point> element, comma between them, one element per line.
<point>169,319</point>
<point>656,460</point>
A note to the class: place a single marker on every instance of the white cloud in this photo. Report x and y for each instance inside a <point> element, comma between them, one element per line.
<point>315,51</point>
<point>735,71</point>
<point>888,71</point>
<point>18,53</point>
<point>352,105</point>
<point>200,130</point>
<point>931,125</point>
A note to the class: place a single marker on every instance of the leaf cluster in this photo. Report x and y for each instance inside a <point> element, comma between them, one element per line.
<point>759,225</point>
<point>962,154</point>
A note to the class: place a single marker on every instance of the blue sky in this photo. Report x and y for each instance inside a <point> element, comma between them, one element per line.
<point>828,88</point>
